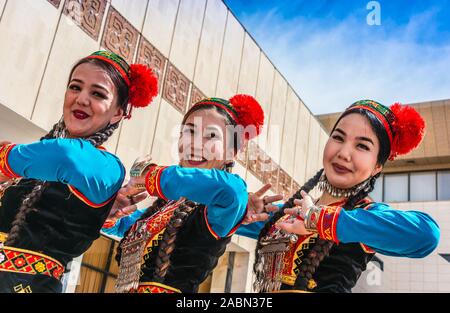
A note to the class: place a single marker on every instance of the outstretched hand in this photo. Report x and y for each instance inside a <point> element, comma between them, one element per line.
<point>259,205</point>
<point>296,224</point>
<point>125,203</point>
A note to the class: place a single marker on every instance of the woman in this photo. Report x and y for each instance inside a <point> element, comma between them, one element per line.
<point>337,234</point>
<point>178,241</point>
<point>65,184</point>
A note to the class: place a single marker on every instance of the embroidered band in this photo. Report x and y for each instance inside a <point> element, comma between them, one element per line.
<point>29,262</point>
<point>5,169</point>
<point>153,183</point>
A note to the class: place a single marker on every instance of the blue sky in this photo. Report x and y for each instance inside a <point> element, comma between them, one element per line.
<point>332,57</point>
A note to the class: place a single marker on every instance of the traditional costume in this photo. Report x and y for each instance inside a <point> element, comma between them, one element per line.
<point>210,204</point>
<point>355,234</point>
<point>81,184</point>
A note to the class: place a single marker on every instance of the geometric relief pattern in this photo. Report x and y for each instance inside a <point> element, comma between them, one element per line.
<point>55,3</point>
<point>120,36</point>
<point>176,88</point>
<point>196,96</point>
<point>87,14</point>
<point>150,56</point>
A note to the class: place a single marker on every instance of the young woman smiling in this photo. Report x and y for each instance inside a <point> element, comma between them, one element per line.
<point>61,188</point>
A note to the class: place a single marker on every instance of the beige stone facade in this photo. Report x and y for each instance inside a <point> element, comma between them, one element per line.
<point>198,48</point>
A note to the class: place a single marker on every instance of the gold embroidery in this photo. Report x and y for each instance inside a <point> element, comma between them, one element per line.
<point>21,289</point>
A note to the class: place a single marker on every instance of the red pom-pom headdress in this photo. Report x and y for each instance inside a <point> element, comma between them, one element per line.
<point>141,80</point>
<point>243,109</point>
<point>404,125</point>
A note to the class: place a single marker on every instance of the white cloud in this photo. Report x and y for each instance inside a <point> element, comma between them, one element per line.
<point>330,67</point>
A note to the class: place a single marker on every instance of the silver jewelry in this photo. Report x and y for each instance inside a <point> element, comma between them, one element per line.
<point>324,184</point>
<point>312,218</point>
<point>60,130</point>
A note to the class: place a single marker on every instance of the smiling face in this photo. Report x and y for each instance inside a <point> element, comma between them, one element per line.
<point>203,140</point>
<point>350,155</point>
<point>90,102</point>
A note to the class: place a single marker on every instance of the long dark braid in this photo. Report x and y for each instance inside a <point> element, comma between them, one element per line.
<point>307,187</point>
<point>29,200</point>
<point>167,245</point>
<point>321,248</point>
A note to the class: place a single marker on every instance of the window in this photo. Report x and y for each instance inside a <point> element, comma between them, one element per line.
<point>396,188</point>
<point>423,186</point>
<point>443,187</point>
<point>377,193</point>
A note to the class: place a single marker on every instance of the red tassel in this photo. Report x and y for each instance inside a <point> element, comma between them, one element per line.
<point>143,85</point>
<point>408,129</point>
<point>249,112</point>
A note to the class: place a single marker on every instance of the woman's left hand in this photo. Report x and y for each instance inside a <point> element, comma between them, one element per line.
<point>296,224</point>
<point>259,205</point>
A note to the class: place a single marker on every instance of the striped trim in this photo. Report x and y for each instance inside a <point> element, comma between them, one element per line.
<point>153,181</point>
<point>17,260</point>
<point>109,224</point>
<point>229,110</point>
<point>230,233</point>
<point>328,221</point>
<point>215,235</point>
<point>83,198</point>
<point>382,119</point>
<point>5,169</point>
<point>154,287</point>
<point>367,249</point>
<point>113,63</point>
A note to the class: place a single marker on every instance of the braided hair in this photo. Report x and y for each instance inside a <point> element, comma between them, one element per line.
<point>29,201</point>
<point>321,248</point>
<point>307,187</point>
<point>180,215</point>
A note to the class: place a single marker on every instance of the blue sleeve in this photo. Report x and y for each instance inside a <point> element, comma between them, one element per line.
<point>251,230</point>
<point>390,232</point>
<point>224,194</point>
<point>97,174</point>
<point>124,223</point>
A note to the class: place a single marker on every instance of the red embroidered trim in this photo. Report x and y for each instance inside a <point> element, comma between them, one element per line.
<point>215,235</point>
<point>4,166</point>
<point>154,287</point>
<point>83,198</point>
<point>153,181</point>
<point>29,262</point>
<point>328,221</point>
<point>108,224</point>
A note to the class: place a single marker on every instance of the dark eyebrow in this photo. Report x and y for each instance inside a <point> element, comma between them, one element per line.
<point>340,131</point>
<point>366,139</point>
<point>95,85</point>
<point>359,138</point>
<point>190,125</point>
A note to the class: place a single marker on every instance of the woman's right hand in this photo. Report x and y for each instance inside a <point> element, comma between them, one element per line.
<point>125,203</point>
